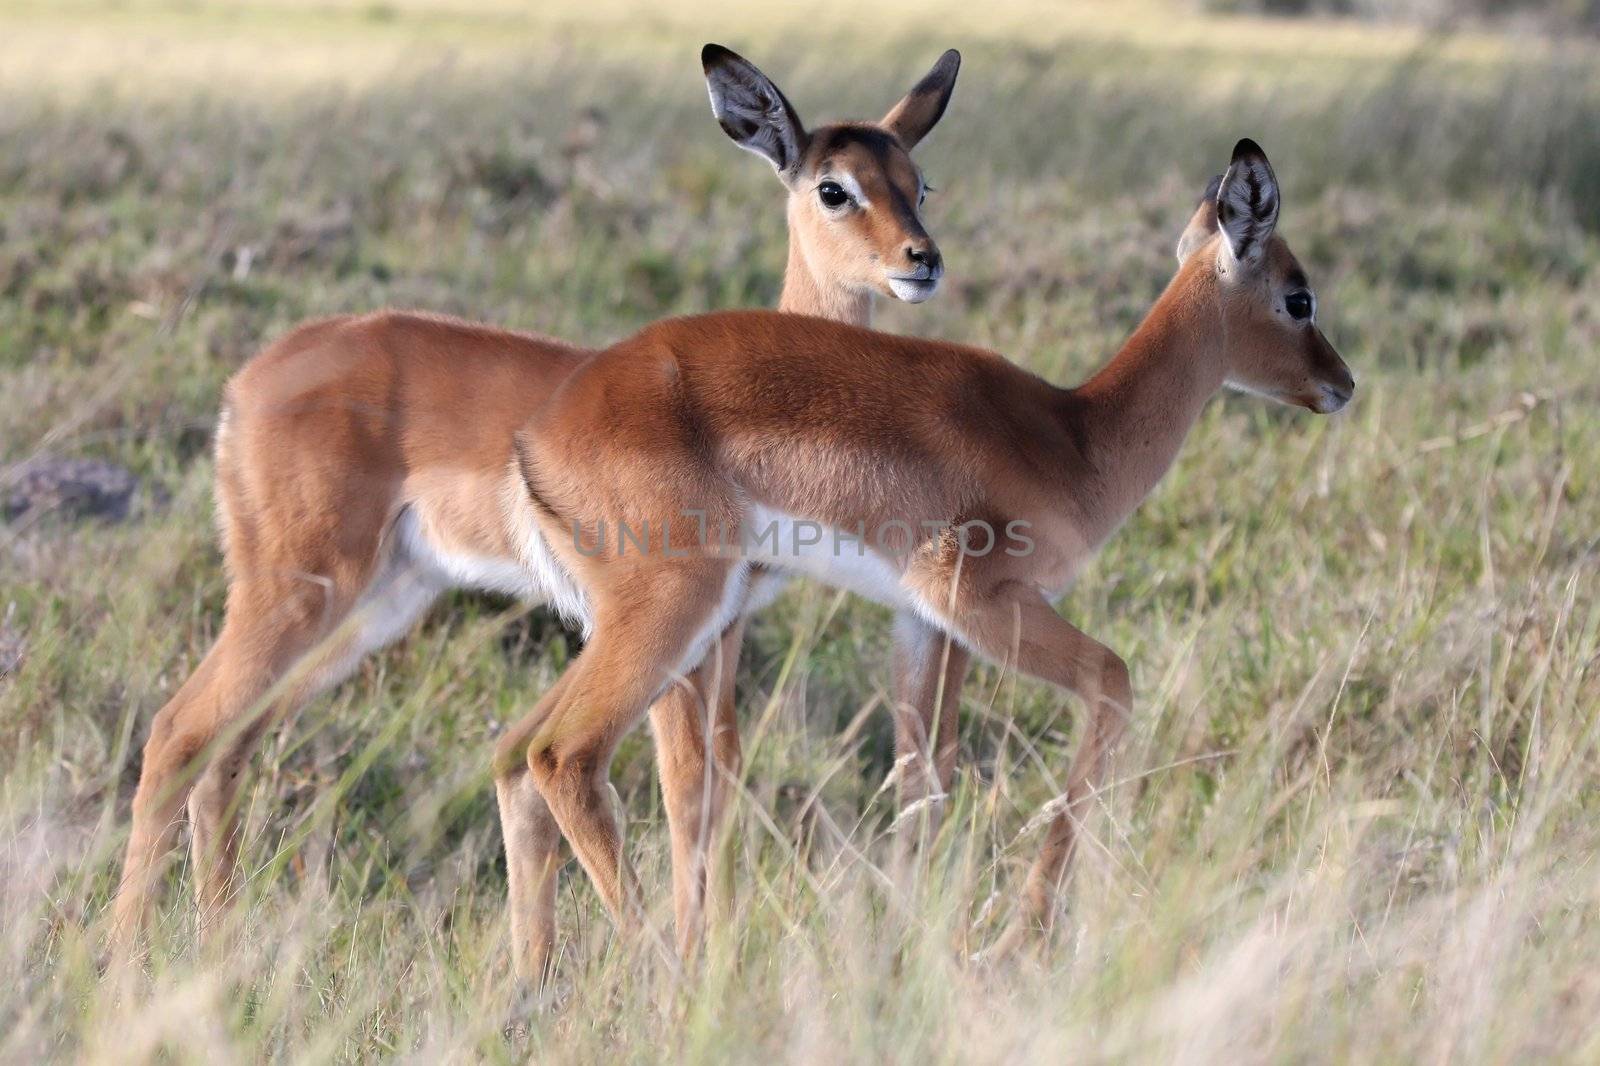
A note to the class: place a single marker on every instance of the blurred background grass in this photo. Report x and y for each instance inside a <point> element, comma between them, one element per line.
<point>1357,815</point>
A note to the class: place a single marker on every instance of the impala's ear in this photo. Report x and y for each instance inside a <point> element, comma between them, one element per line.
<point>1247,202</point>
<point>752,111</point>
<point>921,108</point>
<point>1202,224</point>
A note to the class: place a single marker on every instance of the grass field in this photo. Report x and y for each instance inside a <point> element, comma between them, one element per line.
<point>1357,814</point>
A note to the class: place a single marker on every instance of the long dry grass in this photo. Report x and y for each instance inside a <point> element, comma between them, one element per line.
<point>1357,816</point>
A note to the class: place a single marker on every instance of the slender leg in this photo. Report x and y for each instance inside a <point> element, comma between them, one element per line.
<point>297,636</point>
<point>214,823</point>
<point>572,734</point>
<point>386,610</point>
<point>218,707</point>
<point>728,754</point>
<point>690,718</point>
<point>533,851</point>
<point>1014,625</point>
<point>162,791</point>
<point>930,668</point>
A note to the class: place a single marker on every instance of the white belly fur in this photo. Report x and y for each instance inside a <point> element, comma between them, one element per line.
<point>539,577</point>
<point>836,560</point>
<point>536,577</point>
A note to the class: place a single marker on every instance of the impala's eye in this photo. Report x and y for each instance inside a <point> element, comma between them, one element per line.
<point>832,194</point>
<point>1300,305</point>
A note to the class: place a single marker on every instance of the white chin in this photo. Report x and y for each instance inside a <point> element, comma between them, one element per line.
<point>912,292</point>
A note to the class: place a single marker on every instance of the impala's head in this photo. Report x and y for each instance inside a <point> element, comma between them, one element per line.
<point>1269,312</point>
<point>855,196</point>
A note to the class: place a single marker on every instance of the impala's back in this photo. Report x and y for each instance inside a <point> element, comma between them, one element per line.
<point>835,423</point>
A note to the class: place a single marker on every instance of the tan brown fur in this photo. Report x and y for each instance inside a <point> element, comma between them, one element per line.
<point>363,464</point>
<point>745,414</point>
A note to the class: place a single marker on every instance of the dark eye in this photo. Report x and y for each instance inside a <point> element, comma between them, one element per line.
<point>1299,304</point>
<point>832,194</point>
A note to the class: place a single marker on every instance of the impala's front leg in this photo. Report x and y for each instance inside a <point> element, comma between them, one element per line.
<point>1012,624</point>
<point>930,669</point>
<point>1108,695</point>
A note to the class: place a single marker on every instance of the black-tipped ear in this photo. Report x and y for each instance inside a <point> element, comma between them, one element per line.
<point>921,108</point>
<point>1247,201</point>
<point>751,110</point>
<point>1203,223</point>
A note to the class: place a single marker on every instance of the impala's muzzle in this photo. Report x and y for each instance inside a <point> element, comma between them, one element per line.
<point>1334,384</point>
<point>922,280</point>
<point>1331,398</point>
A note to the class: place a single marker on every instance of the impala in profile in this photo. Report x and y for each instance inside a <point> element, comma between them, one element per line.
<point>800,436</point>
<point>365,465</point>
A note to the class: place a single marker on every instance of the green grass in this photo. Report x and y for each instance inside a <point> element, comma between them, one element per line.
<point>1357,814</point>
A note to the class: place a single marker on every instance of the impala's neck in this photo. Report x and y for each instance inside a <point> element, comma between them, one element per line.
<point>809,292</point>
<point>1133,415</point>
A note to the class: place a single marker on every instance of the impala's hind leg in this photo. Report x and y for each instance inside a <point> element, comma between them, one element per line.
<point>691,719</point>
<point>1012,624</point>
<point>285,639</point>
<point>533,847</point>
<point>219,706</point>
<point>213,821</point>
<point>385,611</point>
<point>666,624</point>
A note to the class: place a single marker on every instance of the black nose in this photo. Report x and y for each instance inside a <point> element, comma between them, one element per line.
<point>927,258</point>
<point>1333,395</point>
